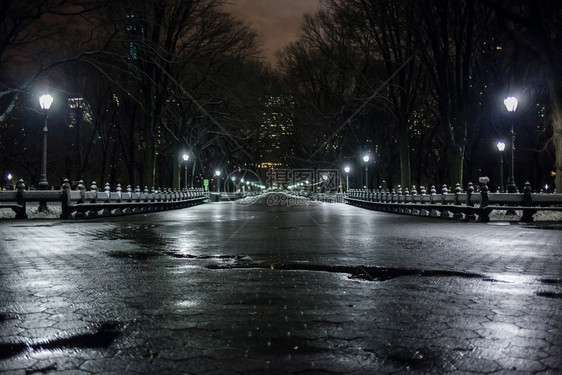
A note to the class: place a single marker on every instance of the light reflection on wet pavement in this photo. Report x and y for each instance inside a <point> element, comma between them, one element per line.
<point>326,288</point>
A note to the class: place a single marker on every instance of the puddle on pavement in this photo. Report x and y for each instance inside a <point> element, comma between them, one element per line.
<point>367,273</point>
<point>495,280</point>
<point>35,225</point>
<point>191,256</point>
<point>414,360</point>
<point>101,339</point>
<point>136,255</point>
<point>8,350</point>
<point>551,281</point>
<point>546,226</point>
<point>142,234</point>
<point>550,295</point>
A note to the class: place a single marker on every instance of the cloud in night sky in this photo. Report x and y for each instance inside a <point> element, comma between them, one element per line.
<point>277,22</point>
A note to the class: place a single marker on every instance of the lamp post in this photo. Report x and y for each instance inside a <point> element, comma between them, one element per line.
<point>366,160</point>
<point>218,174</point>
<point>511,105</point>
<point>346,170</point>
<point>501,148</point>
<point>45,102</point>
<point>185,159</point>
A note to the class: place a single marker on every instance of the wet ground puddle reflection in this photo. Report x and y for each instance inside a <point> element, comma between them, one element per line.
<point>102,338</point>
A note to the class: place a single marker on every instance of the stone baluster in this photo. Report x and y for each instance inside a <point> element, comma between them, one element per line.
<point>432,194</point>
<point>422,194</point>
<point>444,192</point>
<point>107,192</point>
<point>528,202</point>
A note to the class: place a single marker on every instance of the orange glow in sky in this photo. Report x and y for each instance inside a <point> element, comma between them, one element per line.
<point>277,22</point>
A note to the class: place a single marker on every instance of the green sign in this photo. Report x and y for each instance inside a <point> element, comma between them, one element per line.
<point>206,184</point>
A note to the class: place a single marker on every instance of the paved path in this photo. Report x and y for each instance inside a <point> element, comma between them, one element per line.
<point>229,288</point>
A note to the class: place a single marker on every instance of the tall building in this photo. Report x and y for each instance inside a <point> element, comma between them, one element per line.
<point>275,140</point>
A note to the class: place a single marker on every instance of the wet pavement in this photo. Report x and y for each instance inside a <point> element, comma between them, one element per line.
<point>324,288</point>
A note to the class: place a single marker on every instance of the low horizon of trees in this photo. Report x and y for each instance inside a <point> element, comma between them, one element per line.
<point>451,64</point>
<point>417,84</point>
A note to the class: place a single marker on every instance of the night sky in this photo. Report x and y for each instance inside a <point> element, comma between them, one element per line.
<point>276,21</point>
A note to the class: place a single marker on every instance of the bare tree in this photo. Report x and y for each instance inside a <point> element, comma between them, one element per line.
<point>383,29</point>
<point>536,27</point>
<point>158,42</point>
<point>36,37</point>
<point>449,30</point>
<point>327,73</point>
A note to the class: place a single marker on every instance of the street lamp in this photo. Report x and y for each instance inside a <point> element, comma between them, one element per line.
<point>366,160</point>
<point>511,105</point>
<point>346,170</point>
<point>45,102</point>
<point>9,177</point>
<point>501,148</point>
<point>185,159</point>
<point>218,174</point>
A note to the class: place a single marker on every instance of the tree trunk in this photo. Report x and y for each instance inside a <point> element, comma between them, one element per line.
<point>149,157</point>
<point>556,117</point>
<point>455,162</point>
<point>177,181</point>
<point>404,150</point>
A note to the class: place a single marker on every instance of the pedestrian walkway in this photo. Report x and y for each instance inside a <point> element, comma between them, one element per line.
<point>228,288</point>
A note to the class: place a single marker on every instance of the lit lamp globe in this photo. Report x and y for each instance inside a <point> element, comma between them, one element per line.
<point>45,101</point>
<point>510,103</point>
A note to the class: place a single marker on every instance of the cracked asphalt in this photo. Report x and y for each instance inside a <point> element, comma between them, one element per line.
<point>227,288</point>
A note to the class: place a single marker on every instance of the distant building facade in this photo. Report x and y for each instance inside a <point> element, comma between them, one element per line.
<point>276,132</point>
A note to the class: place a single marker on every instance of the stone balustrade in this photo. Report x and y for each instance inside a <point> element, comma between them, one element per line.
<point>456,203</point>
<point>94,202</point>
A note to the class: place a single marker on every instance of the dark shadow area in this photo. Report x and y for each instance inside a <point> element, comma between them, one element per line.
<point>550,295</point>
<point>419,360</point>
<point>8,350</point>
<point>101,339</point>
